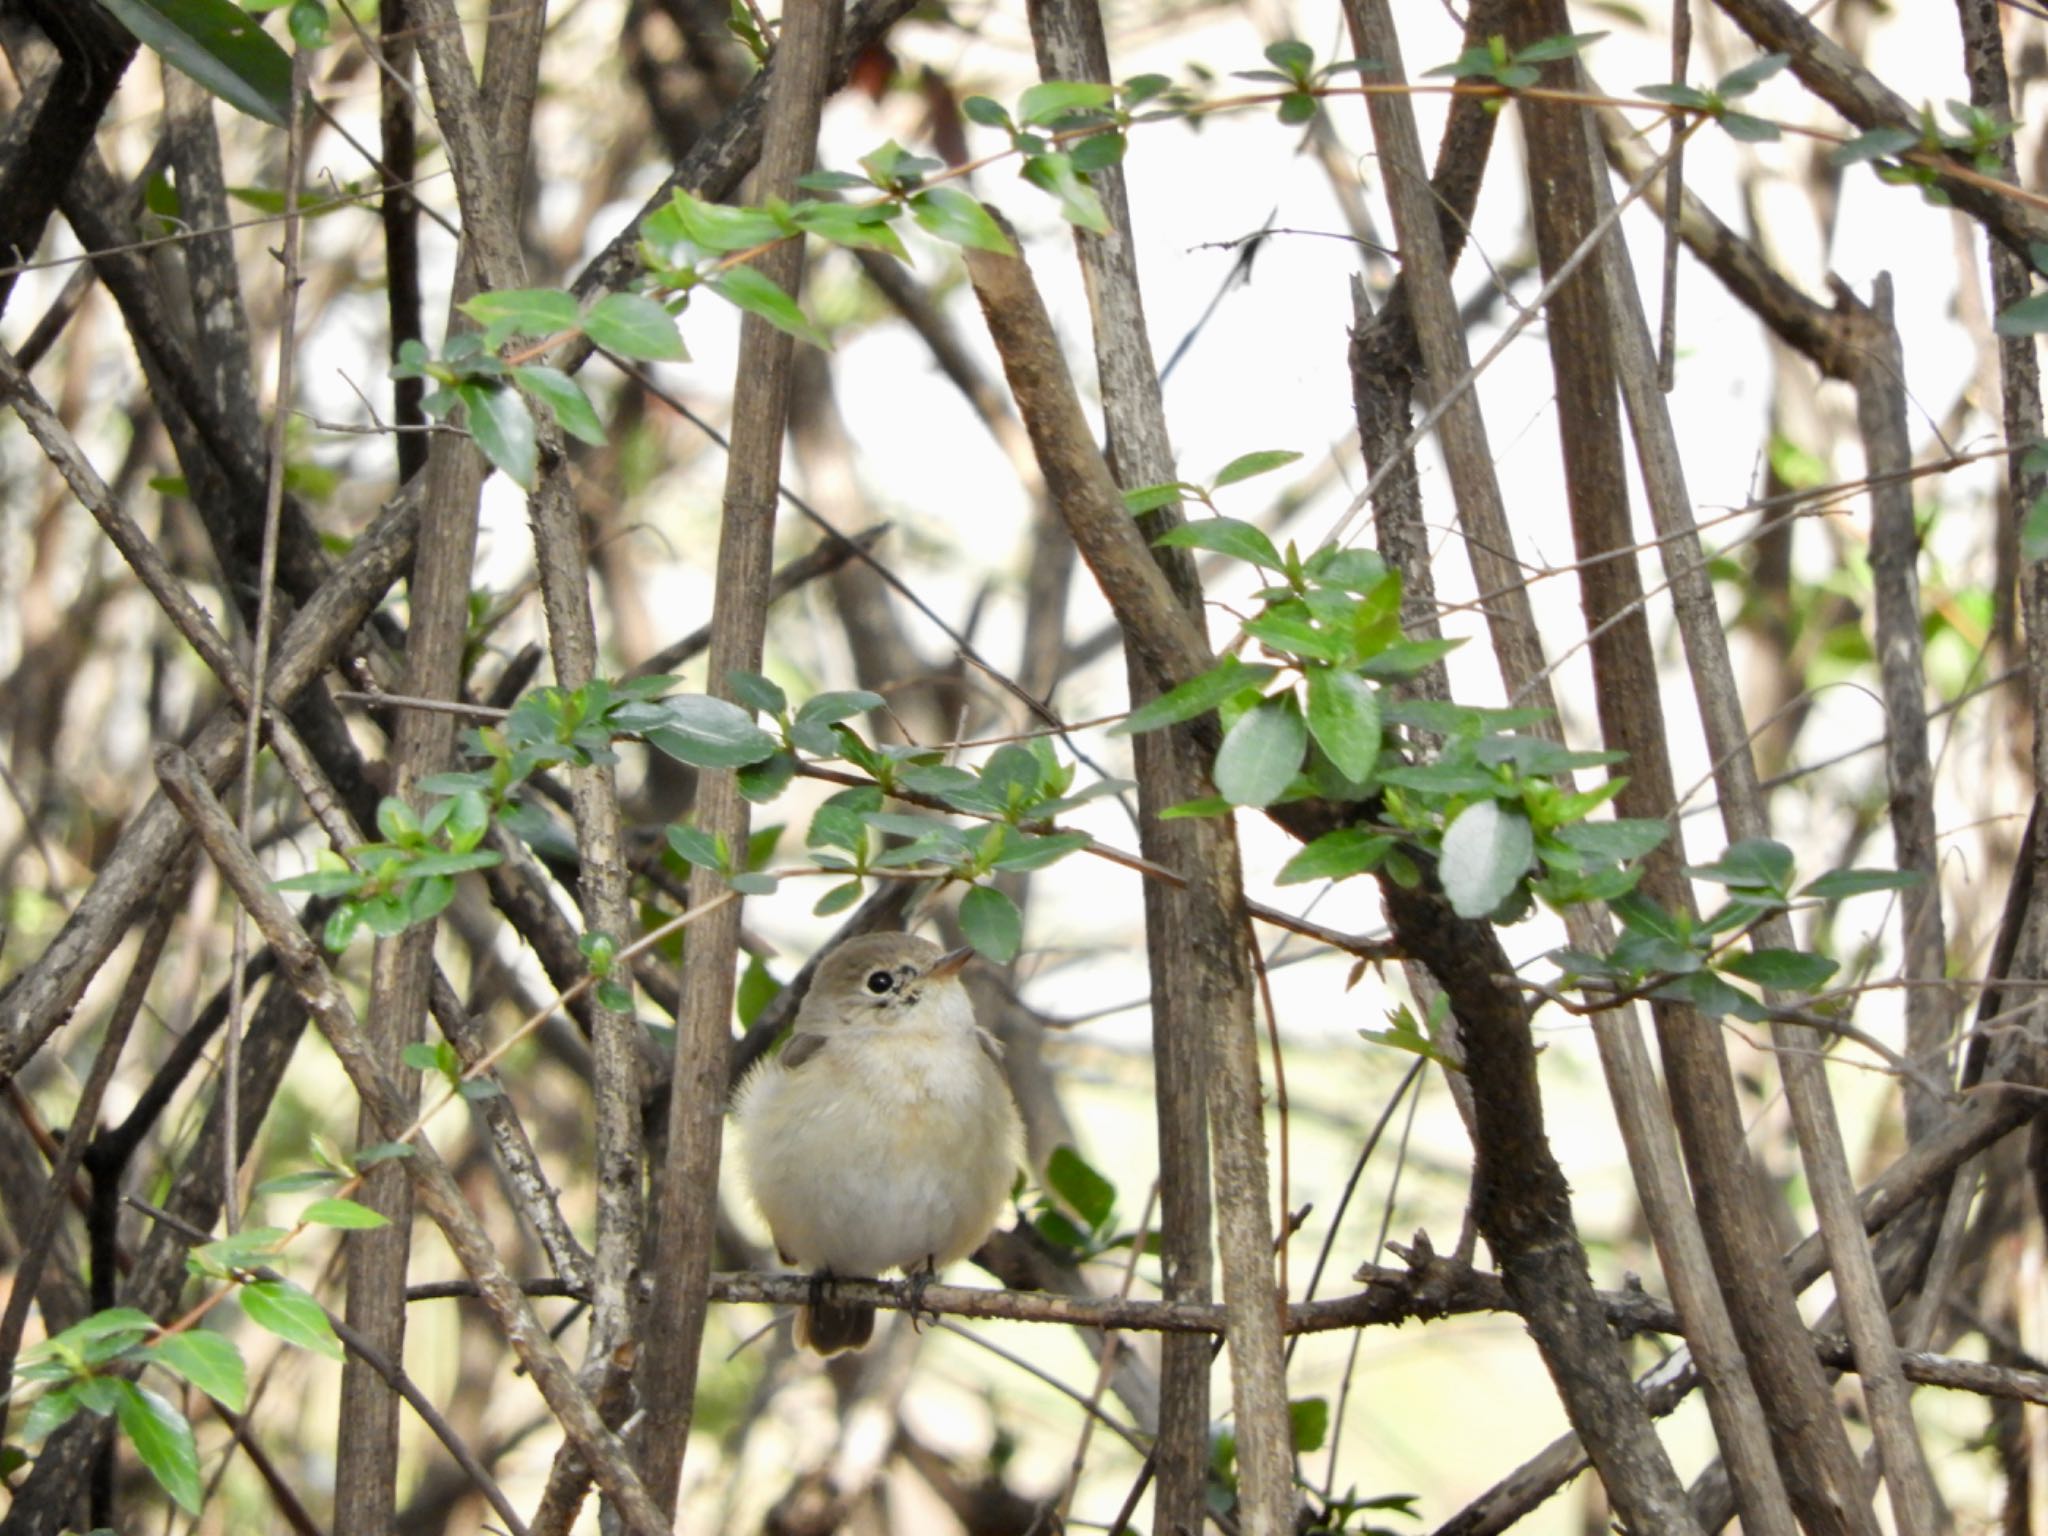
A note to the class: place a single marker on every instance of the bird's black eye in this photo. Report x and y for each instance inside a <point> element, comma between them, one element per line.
<point>880,982</point>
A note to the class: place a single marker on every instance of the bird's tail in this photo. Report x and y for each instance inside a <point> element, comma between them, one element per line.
<point>830,1326</point>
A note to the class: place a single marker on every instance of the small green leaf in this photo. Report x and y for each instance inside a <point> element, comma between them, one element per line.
<point>1487,849</point>
<point>286,1310</point>
<point>218,45</point>
<point>163,1442</point>
<point>1755,864</point>
<point>695,846</point>
<point>1563,46</point>
<point>383,1152</point>
<point>1247,465</point>
<point>209,1361</point>
<point>838,899</point>
<point>988,113</point>
<point>1262,752</point>
<point>1092,1197</point>
<point>1078,202</point>
<point>1309,1420</point>
<point>1837,883</point>
<point>1740,82</point>
<point>633,325</point>
<point>1099,151</point>
<point>307,22</point>
<point>1293,59</point>
<point>1227,536</point>
<point>831,708</point>
<point>959,219</point>
<point>2034,527</point>
<point>1344,718</point>
<point>755,291</point>
<point>1150,498</point>
<point>1747,129</point>
<point>2029,317</point>
<point>1676,95</point>
<point>522,312</point>
<point>564,396</point>
<point>1197,696</point>
<point>758,693</point>
<point>1713,996</point>
<point>1346,851</point>
<point>864,226</point>
<point>1785,970</point>
<point>346,1214</point>
<point>707,732</point>
<point>752,884</point>
<point>1621,839</point>
<point>1051,100</point>
<point>992,923</point>
<point>502,426</point>
<point>1877,144</point>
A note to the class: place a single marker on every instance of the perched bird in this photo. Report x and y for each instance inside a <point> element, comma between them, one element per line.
<point>882,1135</point>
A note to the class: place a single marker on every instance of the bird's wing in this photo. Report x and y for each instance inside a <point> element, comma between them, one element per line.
<point>801,1048</point>
<point>990,1045</point>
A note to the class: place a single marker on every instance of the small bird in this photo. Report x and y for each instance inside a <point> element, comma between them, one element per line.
<point>882,1135</point>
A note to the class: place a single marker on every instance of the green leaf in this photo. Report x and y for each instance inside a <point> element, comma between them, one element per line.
<point>959,219</point>
<point>1246,465</point>
<point>287,1311</point>
<point>1755,864</point>
<point>1262,752</point>
<point>1877,144</point>
<point>711,733</point>
<point>521,312</point>
<point>1092,1197</point>
<point>1197,696</point>
<point>831,708</point>
<point>1079,205</point>
<point>1837,883</point>
<point>1022,851</point>
<point>307,22</point>
<point>383,1152</point>
<point>346,1214</point>
<point>1150,498</point>
<point>633,325</point>
<point>2034,530</point>
<point>209,1361</point>
<point>1621,839</point>
<point>1227,536</point>
<point>859,225</point>
<point>756,292</point>
<point>163,1442</point>
<point>1713,996</point>
<point>1563,46</point>
<point>1309,1420</point>
<point>695,846</point>
<point>1676,95</point>
<point>992,923</point>
<point>565,397</point>
<point>1052,100</point>
<point>2029,317</point>
<point>722,227</point>
<point>1487,849</point>
<point>1099,151</point>
<point>988,113</point>
<point>1287,634</point>
<point>1747,129</point>
<point>752,884</point>
<point>1346,851</point>
<point>1344,718</point>
<point>1293,59</point>
<point>758,693</point>
<point>49,1413</point>
<point>1785,970</point>
<point>1740,82</point>
<point>1207,805</point>
<point>218,45</point>
<point>503,427</point>
<point>838,899</point>
<point>764,781</point>
<point>452,863</point>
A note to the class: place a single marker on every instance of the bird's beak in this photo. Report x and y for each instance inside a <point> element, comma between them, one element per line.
<point>950,963</point>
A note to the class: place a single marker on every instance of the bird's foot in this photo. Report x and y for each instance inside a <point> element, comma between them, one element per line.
<point>914,1285</point>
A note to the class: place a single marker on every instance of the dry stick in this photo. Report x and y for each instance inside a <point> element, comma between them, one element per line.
<point>38,1239</point>
<point>1632,1081</point>
<point>434,1186</point>
<point>1742,807</point>
<point>1833,74</point>
<point>536,1198</point>
<point>1821,1474</point>
<point>1169,644</point>
<point>2019,380</point>
<point>1198,969</point>
<point>259,647</point>
<point>689,1178</point>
